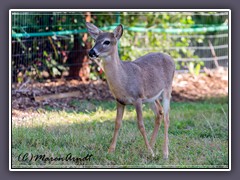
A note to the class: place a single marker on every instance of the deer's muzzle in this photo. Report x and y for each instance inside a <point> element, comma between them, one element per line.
<point>92,53</point>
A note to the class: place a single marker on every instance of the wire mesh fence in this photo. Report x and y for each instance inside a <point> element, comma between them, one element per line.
<point>48,45</point>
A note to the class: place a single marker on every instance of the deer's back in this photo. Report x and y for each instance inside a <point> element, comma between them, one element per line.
<point>156,66</point>
<point>150,74</point>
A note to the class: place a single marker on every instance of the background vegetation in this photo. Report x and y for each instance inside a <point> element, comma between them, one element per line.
<point>41,53</point>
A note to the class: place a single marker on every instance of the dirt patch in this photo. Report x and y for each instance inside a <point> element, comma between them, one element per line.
<point>186,87</point>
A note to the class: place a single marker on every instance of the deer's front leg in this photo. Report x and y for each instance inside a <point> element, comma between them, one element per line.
<point>141,127</point>
<point>118,123</point>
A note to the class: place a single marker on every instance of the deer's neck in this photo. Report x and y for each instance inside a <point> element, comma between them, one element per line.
<point>113,69</point>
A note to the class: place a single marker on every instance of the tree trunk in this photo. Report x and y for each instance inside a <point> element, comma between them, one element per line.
<point>78,60</point>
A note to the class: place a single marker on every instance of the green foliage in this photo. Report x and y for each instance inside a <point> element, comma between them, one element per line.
<point>134,44</point>
<point>42,57</point>
<point>195,67</point>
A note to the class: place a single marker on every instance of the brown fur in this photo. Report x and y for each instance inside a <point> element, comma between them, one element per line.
<point>136,82</point>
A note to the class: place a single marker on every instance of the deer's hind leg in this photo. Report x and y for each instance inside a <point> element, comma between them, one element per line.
<point>166,108</point>
<point>158,111</point>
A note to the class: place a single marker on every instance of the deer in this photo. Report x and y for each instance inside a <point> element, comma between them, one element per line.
<point>148,79</point>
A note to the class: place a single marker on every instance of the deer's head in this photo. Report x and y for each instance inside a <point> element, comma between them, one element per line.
<point>105,42</point>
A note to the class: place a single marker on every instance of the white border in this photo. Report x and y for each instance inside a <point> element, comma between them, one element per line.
<point>10,91</point>
<point>119,10</point>
<point>229,90</point>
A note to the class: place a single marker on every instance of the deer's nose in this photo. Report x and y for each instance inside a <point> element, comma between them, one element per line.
<point>92,53</point>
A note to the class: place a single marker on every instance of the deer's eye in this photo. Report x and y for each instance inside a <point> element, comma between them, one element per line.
<point>106,42</point>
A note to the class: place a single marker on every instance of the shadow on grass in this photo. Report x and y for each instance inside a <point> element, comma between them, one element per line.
<point>91,106</point>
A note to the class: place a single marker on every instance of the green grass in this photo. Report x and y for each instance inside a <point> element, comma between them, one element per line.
<point>198,136</point>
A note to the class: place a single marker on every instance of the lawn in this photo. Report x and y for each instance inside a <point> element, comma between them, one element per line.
<point>198,136</point>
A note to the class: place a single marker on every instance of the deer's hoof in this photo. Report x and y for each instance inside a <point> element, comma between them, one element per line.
<point>151,151</point>
<point>111,150</point>
<point>165,156</point>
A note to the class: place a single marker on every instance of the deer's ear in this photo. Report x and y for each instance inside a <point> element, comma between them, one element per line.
<point>118,31</point>
<point>93,30</point>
